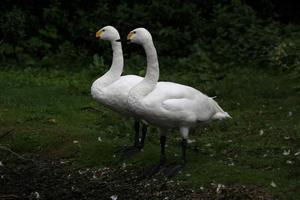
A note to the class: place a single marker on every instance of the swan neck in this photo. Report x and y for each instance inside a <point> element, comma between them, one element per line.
<point>148,84</point>
<point>116,68</point>
<point>152,72</point>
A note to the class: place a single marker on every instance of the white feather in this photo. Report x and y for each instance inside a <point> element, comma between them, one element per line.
<point>112,89</point>
<point>167,104</point>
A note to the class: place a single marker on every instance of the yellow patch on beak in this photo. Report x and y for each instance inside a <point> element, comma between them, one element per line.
<point>129,35</point>
<point>98,34</point>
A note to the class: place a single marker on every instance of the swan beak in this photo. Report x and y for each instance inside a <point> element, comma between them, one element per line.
<point>98,34</point>
<point>129,36</point>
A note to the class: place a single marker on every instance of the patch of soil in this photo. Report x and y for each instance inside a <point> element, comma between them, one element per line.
<point>44,179</point>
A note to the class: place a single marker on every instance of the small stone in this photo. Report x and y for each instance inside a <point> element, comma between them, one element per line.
<point>286,152</point>
<point>190,141</point>
<point>289,162</point>
<point>265,155</point>
<point>99,139</point>
<point>75,141</point>
<point>290,114</point>
<point>219,187</point>
<point>188,175</point>
<point>52,121</point>
<point>114,197</point>
<point>297,153</point>
<point>261,132</point>
<point>286,137</point>
<point>124,165</point>
<point>36,195</point>
<point>1,164</point>
<point>273,184</point>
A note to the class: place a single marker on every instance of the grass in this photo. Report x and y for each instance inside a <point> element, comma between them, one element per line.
<point>44,110</point>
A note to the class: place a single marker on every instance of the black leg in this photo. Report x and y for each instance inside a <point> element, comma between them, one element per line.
<point>174,170</point>
<point>144,133</point>
<point>162,149</point>
<point>183,149</point>
<point>137,133</point>
<point>131,150</point>
<point>156,167</point>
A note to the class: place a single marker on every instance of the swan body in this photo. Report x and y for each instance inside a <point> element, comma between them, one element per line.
<point>112,89</point>
<point>114,96</point>
<point>172,105</point>
<point>167,104</point>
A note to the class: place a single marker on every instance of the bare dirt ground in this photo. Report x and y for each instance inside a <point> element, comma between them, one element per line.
<point>45,179</point>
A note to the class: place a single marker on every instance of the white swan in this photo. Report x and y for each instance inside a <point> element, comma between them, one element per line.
<point>112,89</point>
<point>166,104</point>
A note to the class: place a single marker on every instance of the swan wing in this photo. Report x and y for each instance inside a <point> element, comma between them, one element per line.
<point>178,104</point>
<point>192,109</point>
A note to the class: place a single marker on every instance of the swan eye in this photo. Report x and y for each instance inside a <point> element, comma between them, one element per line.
<point>134,32</point>
<point>103,30</point>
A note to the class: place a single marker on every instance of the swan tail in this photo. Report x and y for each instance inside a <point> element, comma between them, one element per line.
<point>220,114</point>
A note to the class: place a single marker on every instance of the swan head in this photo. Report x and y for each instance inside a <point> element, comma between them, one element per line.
<point>109,33</point>
<point>139,36</point>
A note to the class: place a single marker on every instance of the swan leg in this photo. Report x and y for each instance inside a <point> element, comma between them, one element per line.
<point>178,167</point>
<point>144,133</point>
<point>131,150</point>
<point>175,169</point>
<point>137,133</point>
<point>156,167</point>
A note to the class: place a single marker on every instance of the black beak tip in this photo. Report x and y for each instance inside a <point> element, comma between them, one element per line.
<point>123,40</point>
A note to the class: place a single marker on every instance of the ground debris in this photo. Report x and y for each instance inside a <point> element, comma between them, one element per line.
<point>44,179</point>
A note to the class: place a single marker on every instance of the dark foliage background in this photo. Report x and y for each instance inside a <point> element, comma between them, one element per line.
<point>194,37</point>
<point>244,52</point>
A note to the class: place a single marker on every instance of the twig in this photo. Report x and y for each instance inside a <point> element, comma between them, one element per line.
<point>14,153</point>
<point>9,196</point>
<point>90,108</point>
<point>7,133</point>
